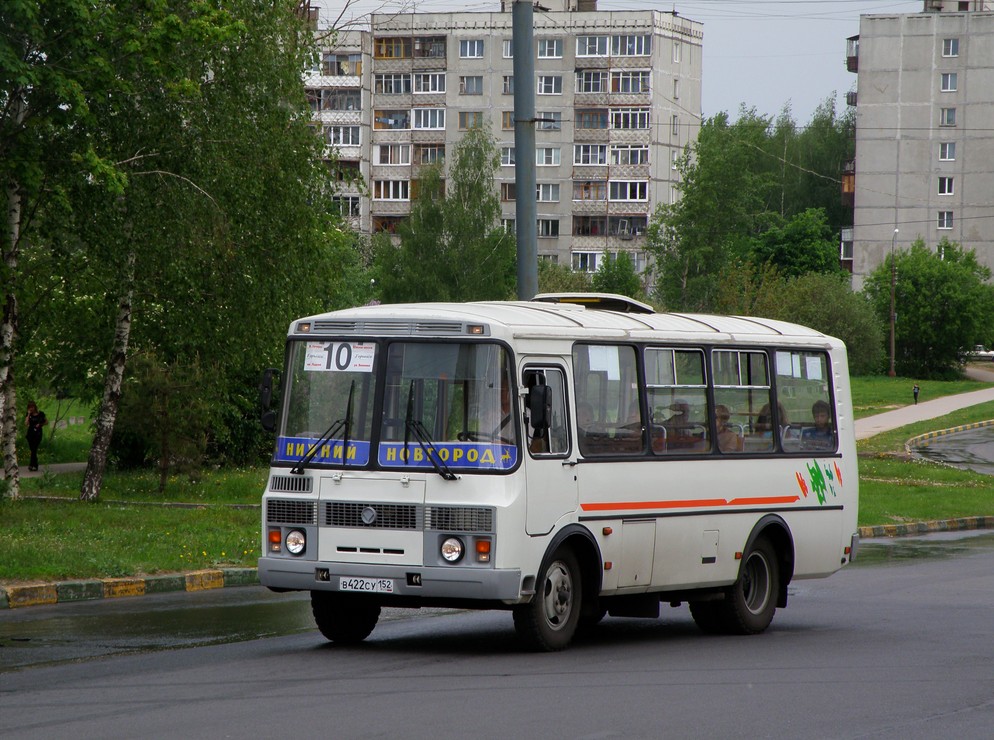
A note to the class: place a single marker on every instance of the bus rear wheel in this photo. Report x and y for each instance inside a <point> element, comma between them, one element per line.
<point>751,601</point>
<point>549,621</point>
<point>342,619</point>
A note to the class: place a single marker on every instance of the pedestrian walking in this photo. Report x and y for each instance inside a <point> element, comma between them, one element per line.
<point>914,392</point>
<point>34,421</point>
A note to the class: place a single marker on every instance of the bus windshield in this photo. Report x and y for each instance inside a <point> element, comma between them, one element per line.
<point>445,406</point>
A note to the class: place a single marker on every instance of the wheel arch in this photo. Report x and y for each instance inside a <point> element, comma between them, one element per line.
<point>776,530</point>
<point>588,555</point>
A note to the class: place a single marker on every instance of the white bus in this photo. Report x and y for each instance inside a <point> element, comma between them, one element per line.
<point>563,458</point>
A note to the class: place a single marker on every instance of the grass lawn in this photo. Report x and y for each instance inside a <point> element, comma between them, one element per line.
<point>129,532</point>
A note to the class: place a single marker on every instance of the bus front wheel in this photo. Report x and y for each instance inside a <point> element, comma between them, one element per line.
<point>549,621</point>
<point>341,619</point>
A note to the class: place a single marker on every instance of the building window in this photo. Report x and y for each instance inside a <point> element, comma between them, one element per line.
<point>507,191</point>
<point>945,186</point>
<point>391,84</point>
<point>509,84</point>
<point>630,118</point>
<point>341,65</point>
<point>630,82</point>
<point>947,116</point>
<point>429,47</point>
<point>592,118</point>
<point>507,156</point>
<point>590,154</point>
<point>472,85</point>
<point>547,156</point>
<point>675,125</point>
<point>591,82</point>
<point>547,192</point>
<point>471,49</point>
<point>625,190</point>
<point>675,157</point>
<point>589,190</point>
<point>947,151</point>
<point>676,88</point>
<point>470,119</point>
<point>348,205</point>
<point>391,119</point>
<point>429,82</point>
<point>429,118</point>
<point>508,48</point>
<point>393,154</point>
<point>548,227</point>
<point>947,82</point>
<point>945,220</point>
<point>591,46</point>
<point>398,47</point>
<point>950,47</point>
<point>585,261</point>
<point>550,120</point>
<point>507,120</point>
<point>343,135</point>
<point>550,85</point>
<point>429,153</point>
<point>631,45</point>
<point>550,48</point>
<point>508,224</point>
<point>391,190</point>
<point>341,99</point>
<point>589,225</point>
<point>677,51</point>
<point>629,154</point>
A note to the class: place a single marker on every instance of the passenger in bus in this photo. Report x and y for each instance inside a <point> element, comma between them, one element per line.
<point>822,435</point>
<point>764,421</point>
<point>729,440</point>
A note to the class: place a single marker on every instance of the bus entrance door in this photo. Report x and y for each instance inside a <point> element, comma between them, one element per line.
<point>549,465</point>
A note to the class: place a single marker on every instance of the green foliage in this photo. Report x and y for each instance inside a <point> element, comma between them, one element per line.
<point>556,278</point>
<point>617,274</point>
<point>943,305</point>
<point>453,247</point>
<point>799,244</point>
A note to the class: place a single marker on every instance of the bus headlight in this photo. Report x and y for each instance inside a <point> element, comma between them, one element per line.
<point>295,542</point>
<point>452,549</point>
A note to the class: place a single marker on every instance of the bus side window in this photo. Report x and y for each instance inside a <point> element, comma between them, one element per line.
<point>553,439</point>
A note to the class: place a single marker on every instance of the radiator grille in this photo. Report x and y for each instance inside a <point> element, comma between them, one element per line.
<point>459,519</point>
<point>291,484</point>
<point>387,516</point>
<point>282,511</point>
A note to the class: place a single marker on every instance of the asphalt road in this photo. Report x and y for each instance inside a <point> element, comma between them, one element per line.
<point>897,646</point>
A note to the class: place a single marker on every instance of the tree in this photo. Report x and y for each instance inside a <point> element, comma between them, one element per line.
<point>616,274</point>
<point>723,192</point>
<point>555,278</point>
<point>453,247</point>
<point>799,244</point>
<point>942,302</point>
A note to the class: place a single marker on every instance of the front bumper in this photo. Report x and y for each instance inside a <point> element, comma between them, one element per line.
<point>426,582</point>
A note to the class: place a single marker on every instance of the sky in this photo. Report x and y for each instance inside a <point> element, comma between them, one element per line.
<point>765,55</point>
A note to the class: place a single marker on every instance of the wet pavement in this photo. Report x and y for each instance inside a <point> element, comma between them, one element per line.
<point>972,449</point>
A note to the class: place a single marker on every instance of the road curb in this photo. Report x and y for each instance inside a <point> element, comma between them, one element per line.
<point>38,594</point>
<point>923,439</point>
<point>941,525</point>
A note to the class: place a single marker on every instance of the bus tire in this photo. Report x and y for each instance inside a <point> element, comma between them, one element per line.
<point>751,601</point>
<point>708,616</point>
<point>343,620</point>
<point>549,621</point>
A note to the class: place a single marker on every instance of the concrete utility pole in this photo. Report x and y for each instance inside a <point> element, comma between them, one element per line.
<point>525,208</point>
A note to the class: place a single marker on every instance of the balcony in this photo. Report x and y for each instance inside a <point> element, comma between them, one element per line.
<point>849,183</point>
<point>851,98</point>
<point>852,53</point>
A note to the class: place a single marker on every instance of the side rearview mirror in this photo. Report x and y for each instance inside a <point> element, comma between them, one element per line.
<point>268,418</point>
<point>540,407</point>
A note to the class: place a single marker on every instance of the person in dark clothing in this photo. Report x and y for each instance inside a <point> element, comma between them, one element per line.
<point>914,391</point>
<point>34,421</point>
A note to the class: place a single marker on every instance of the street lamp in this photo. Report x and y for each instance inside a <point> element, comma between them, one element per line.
<point>893,285</point>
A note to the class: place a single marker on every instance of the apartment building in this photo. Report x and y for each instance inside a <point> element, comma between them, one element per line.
<point>924,165</point>
<point>618,98</point>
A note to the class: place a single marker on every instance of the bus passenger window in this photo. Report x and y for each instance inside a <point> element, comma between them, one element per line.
<point>677,391</point>
<point>803,386</point>
<point>742,388</point>
<point>606,382</point>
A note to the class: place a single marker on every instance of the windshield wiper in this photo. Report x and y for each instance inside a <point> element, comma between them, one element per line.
<point>421,436</point>
<point>330,432</point>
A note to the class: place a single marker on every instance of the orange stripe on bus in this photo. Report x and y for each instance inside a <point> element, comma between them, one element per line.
<point>689,504</point>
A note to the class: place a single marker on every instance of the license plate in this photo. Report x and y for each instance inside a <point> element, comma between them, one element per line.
<point>367,585</point>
